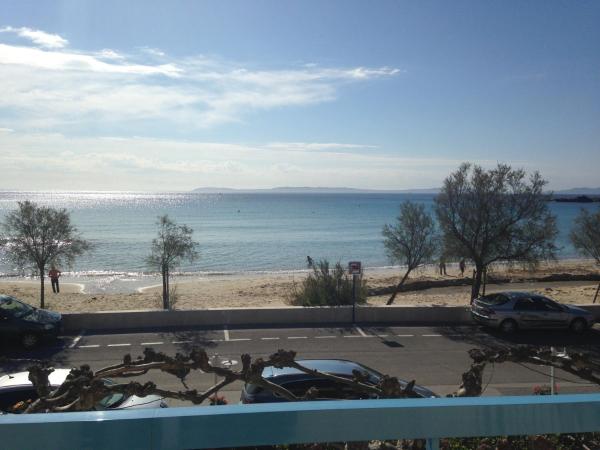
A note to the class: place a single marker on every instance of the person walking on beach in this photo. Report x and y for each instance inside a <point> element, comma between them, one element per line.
<point>462,265</point>
<point>309,262</point>
<point>54,275</point>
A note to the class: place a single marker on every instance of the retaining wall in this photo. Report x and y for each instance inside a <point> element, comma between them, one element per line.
<point>285,316</point>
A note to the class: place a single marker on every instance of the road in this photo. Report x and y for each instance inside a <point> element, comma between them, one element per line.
<point>435,357</point>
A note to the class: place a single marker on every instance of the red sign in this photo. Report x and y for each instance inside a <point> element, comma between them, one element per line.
<point>354,268</point>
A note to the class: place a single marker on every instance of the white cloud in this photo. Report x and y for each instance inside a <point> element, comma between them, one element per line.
<point>53,88</point>
<point>41,38</point>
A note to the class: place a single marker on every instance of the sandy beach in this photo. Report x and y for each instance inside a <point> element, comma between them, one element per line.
<point>269,290</point>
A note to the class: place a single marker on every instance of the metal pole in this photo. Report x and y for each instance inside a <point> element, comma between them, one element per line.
<point>354,277</point>
<point>552,374</point>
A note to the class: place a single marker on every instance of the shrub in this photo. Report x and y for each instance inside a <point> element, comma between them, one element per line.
<point>326,286</point>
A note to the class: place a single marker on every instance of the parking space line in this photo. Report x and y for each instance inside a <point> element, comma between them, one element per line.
<point>431,335</point>
<point>232,340</point>
<point>269,339</point>
<point>360,331</point>
<point>325,337</point>
<point>181,342</point>
<point>89,346</point>
<point>405,335</point>
<point>353,336</point>
<point>119,345</point>
<point>226,333</point>
<point>297,337</point>
<point>76,340</point>
<point>381,335</point>
<point>152,343</point>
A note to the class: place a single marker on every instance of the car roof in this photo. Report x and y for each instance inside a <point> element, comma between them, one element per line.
<point>335,366</point>
<point>513,295</point>
<point>56,378</point>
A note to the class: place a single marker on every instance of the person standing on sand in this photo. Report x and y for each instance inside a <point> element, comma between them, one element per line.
<point>443,266</point>
<point>462,265</point>
<point>54,275</point>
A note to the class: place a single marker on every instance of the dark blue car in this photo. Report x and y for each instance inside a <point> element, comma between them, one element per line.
<point>27,323</point>
<point>298,382</point>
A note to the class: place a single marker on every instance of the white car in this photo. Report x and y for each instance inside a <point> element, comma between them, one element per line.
<point>16,387</point>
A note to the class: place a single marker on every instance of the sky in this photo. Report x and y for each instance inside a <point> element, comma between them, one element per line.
<point>171,96</point>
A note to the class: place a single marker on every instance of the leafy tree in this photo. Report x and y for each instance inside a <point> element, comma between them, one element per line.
<point>35,236</point>
<point>172,245</point>
<point>495,215</point>
<point>585,236</point>
<point>328,286</point>
<point>411,241</point>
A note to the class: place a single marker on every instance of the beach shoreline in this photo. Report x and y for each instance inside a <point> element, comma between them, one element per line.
<point>255,290</point>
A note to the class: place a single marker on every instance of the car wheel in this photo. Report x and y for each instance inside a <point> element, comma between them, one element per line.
<point>29,340</point>
<point>578,326</point>
<point>508,326</point>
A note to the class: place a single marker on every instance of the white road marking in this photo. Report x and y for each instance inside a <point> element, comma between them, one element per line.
<point>119,345</point>
<point>89,346</point>
<point>269,339</point>
<point>360,331</point>
<point>297,337</point>
<point>405,335</point>
<point>226,334</point>
<point>381,335</point>
<point>181,342</point>
<point>354,336</point>
<point>152,343</point>
<point>231,340</point>
<point>76,340</point>
<point>431,335</point>
<point>325,337</point>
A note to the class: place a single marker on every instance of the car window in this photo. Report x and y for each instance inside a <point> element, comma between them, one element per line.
<point>14,308</point>
<point>326,389</point>
<point>493,299</point>
<point>525,304</point>
<point>10,397</point>
<point>549,305</point>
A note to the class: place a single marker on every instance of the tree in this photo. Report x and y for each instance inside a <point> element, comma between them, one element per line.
<point>328,286</point>
<point>585,236</point>
<point>495,215</point>
<point>172,245</point>
<point>35,236</point>
<point>411,241</point>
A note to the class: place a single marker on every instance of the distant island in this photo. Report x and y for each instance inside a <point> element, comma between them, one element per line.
<point>312,190</point>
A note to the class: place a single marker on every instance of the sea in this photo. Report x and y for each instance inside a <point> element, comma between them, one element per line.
<point>237,233</point>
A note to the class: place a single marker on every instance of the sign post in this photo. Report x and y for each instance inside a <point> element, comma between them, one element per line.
<point>354,269</point>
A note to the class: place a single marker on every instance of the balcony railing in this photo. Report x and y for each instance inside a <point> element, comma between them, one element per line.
<point>303,422</point>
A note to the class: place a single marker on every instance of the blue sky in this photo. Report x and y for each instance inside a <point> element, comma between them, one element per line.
<point>113,95</point>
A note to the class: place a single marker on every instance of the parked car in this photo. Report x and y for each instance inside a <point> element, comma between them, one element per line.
<point>510,311</point>
<point>16,387</point>
<point>298,382</point>
<point>27,323</point>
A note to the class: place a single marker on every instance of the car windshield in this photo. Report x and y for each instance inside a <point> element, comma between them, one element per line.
<point>493,299</point>
<point>14,308</point>
<point>112,400</point>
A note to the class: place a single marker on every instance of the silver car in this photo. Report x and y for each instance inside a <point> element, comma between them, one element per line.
<point>510,311</point>
<point>16,387</point>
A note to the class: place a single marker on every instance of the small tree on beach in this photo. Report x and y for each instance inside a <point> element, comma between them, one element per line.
<point>173,244</point>
<point>495,215</point>
<point>585,236</point>
<point>411,241</point>
<point>328,286</point>
<point>35,236</point>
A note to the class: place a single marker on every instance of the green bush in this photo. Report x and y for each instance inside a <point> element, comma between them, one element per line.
<point>326,286</point>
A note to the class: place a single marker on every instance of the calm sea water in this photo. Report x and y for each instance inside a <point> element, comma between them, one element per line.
<point>239,232</point>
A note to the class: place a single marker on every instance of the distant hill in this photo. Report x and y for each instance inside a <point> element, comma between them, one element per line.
<point>579,191</point>
<point>313,190</point>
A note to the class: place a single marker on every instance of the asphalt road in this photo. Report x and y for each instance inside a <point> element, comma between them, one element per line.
<point>435,357</point>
